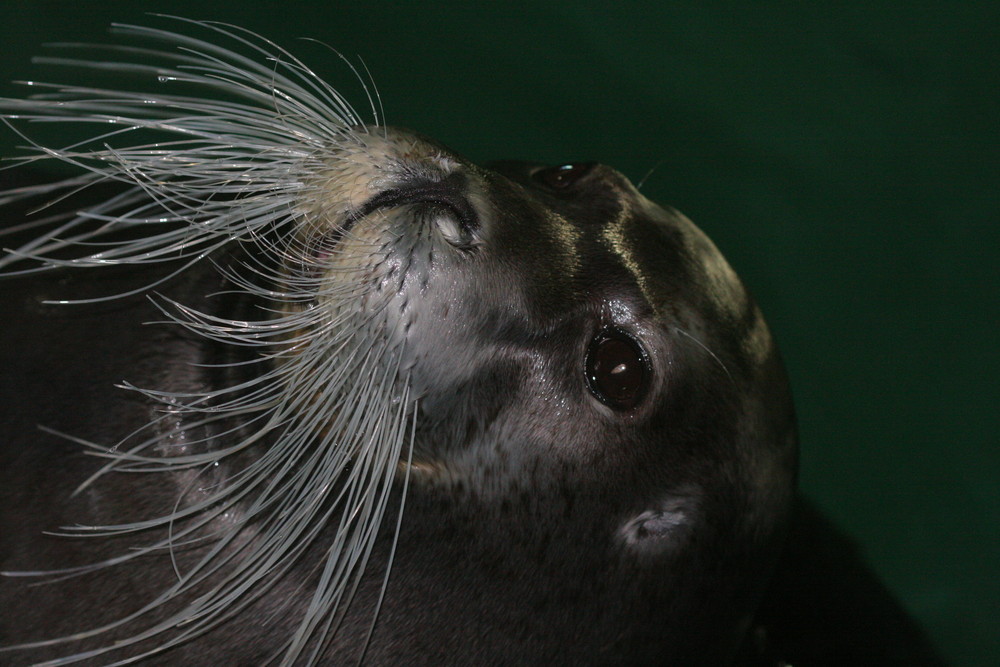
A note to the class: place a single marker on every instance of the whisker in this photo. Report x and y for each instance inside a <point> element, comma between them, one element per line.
<point>224,155</point>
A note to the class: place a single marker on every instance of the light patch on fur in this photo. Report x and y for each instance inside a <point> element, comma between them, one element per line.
<point>663,527</point>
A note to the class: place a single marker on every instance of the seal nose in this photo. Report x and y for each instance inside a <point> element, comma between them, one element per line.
<point>446,195</point>
<point>457,217</point>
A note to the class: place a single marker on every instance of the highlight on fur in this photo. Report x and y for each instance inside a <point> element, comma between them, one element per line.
<point>220,145</point>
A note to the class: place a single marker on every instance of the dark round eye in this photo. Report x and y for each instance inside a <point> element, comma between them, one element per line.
<point>617,369</point>
<point>562,176</point>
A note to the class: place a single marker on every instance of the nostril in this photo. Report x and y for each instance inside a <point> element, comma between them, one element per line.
<point>450,224</point>
<point>439,195</point>
<point>444,200</point>
<point>441,202</point>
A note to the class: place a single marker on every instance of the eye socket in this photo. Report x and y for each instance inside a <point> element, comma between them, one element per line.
<point>563,176</point>
<point>617,369</point>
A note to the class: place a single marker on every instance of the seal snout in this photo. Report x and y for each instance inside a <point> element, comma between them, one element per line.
<point>397,182</point>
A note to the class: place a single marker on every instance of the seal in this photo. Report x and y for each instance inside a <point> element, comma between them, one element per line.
<point>399,408</point>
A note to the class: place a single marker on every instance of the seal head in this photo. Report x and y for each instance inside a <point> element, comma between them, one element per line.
<point>600,403</point>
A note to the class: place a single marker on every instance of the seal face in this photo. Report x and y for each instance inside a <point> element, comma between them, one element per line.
<point>427,412</point>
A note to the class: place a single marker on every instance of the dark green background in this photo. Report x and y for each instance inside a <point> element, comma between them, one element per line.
<point>845,160</point>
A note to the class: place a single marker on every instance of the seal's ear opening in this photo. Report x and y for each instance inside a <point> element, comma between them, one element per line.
<point>661,528</point>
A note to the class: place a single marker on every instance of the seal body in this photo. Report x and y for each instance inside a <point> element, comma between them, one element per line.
<point>404,409</point>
